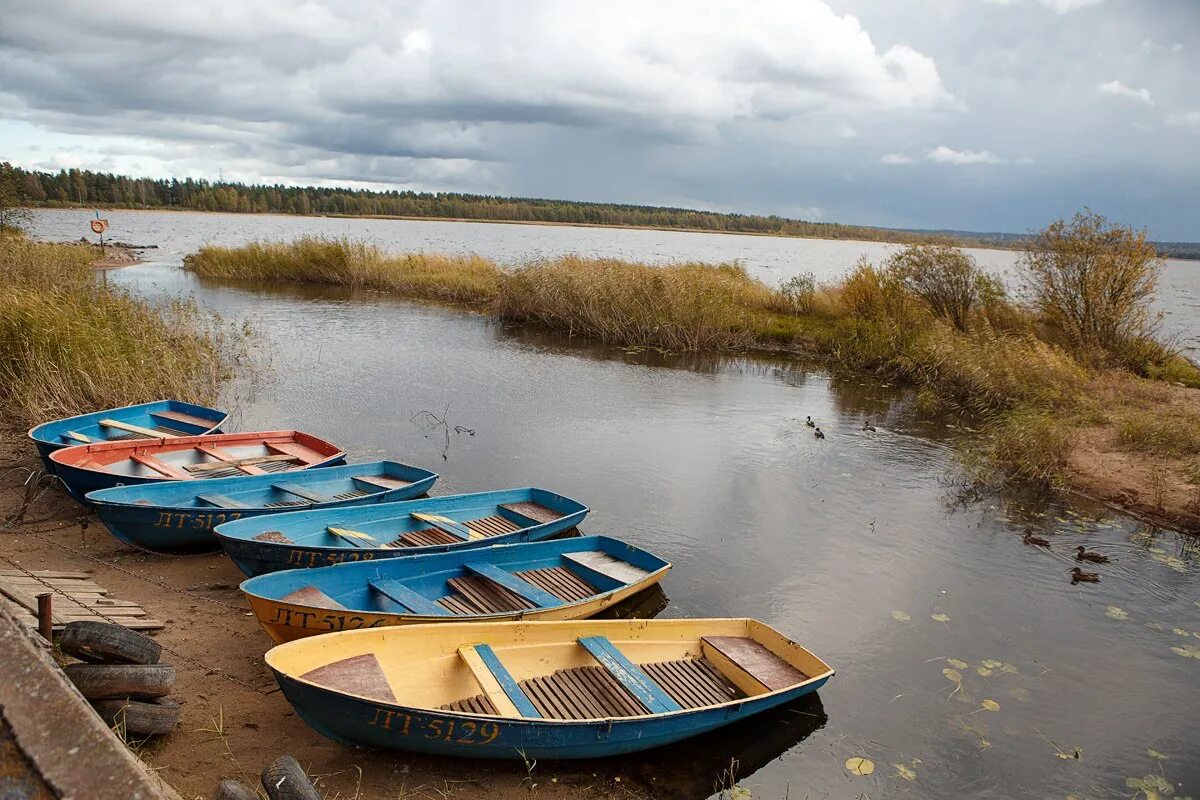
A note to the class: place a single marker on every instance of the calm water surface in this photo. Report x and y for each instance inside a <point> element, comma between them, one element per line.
<point>862,546</point>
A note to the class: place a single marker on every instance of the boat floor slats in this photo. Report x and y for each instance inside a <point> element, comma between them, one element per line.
<point>560,582</point>
<point>607,565</point>
<point>632,677</point>
<point>534,511</point>
<point>360,675</point>
<point>311,596</point>
<point>488,597</point>
<point>492,526</point>
<point>479,704</point>
<point>693,683</point>
<point>760,663</point>
<point>350,495</point>
<point>501,577</point>
<point>276,466</point>
<point>457,604</point>
<point>432,537</point>
<point>592,693</point>
<point>286,504</point>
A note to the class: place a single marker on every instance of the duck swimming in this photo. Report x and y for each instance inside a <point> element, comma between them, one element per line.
<point>1083,554</point>
<point>809,422</point>
<point>1029,538</point>
<point>1079,576</point>
<point>867,426</point>
<point>818,433</point>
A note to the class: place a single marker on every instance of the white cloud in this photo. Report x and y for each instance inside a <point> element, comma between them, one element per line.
<point>896,159</point>
<point>1188,119</point>
<point>946,155</point>
<point>1061,6</point>
<point>1121,90</point>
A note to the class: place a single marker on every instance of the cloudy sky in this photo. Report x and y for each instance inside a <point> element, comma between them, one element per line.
<point>972,114</point>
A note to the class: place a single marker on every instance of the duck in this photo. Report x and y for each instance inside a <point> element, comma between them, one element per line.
<point>809,422</point>
<point>1079,576</point>
<point>1029,538</point>
<point>1083,554</point>
<point>818,433</point>
<point>867,426</point>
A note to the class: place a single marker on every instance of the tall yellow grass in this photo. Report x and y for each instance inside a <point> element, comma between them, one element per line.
<point>69,344</point>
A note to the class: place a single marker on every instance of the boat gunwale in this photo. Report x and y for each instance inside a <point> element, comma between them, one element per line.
<point>824,676</point>
<point>60,446</point>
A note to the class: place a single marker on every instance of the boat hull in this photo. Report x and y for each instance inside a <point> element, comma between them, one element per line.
<point>357,721</point>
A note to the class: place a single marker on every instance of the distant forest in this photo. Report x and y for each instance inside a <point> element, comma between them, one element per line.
<point>82,188</point>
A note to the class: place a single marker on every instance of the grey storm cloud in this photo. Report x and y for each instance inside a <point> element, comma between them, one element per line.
<point>985,114</point>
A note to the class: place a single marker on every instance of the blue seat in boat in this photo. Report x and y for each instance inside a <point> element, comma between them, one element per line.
<point>526,591</point>
<point>507,682</point>
<point>397,592</point>
<point>220,500</point>
<point>455,529</point>
<point>630,675</point>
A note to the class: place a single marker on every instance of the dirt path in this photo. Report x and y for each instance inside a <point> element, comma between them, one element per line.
<point>235,721</point>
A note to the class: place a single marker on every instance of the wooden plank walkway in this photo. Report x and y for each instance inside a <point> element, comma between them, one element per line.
<point>83,600</point>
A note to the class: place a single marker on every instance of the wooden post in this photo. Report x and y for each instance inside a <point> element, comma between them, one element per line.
<point>46,616</point>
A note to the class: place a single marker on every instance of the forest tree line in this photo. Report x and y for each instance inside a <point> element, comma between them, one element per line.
<point>85,188</point>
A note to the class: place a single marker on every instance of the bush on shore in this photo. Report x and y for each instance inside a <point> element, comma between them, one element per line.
<point>69,344</point>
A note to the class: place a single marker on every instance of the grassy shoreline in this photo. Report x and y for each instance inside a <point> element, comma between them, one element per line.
<point>69,343</point>
<point>1038,399</point>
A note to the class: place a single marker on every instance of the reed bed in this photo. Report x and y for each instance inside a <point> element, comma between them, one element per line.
<point>70,344</point>
<point>464,279</point>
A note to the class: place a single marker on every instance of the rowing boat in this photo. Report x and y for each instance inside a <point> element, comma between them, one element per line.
<point>322,538</point>
<point>143,421</point>
<point>563,579</point>
<point>178,516</point>
<point>87,467</point>
<point>541,690</point>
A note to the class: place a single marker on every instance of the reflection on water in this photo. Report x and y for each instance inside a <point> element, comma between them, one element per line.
<point>962,655</point>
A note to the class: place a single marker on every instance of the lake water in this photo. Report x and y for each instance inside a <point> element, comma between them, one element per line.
<point>863,547</point>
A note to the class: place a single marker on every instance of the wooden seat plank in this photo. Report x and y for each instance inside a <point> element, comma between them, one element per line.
<point>606,565</point>
<point>352,537</point>
<point>539,514</point>
<point>381,481</point>
<point>302,491</point>
<point>211,466</point>
<point>77,437</point>
<point>138,429</point>
<point>756,661</point>
<point>311,596</point>
<point>179,416</point>
<point>159,466</point>
<point>629,675</point>
<point>492,675</point>
<point>399,593</point>
<point>526,591</point>
<point>220,500</point>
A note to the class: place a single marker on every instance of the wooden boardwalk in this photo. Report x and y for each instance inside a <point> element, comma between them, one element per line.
<point>75,597</point>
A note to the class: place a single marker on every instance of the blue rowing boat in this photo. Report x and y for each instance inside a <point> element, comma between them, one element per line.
<point>321,538</point>
<point>541,690</point>
<point>143,421</point>
<point>563,579</point>
<point>178,516</point>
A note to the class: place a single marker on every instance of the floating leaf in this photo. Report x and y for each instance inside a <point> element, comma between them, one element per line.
<point>1116,612</point>
<point>1020,693</point>
<point>954,662</point>
<point>990,664</point>
<point>990,705</point>
<point>985,672</point>
<point>1006,667</point>
<point>900,616</point>
<point>1187,651</point>
<point>939,618</point>
<point>905,772</point>
<point>1151,785</point>
<point>1180,632</point>
<point>860,766</point>
<point>954,675</point>
<point>741,793</point>
<point>1155,754</point>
